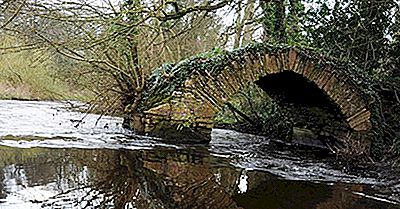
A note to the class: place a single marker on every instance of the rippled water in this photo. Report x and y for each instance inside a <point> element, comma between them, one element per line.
<point>50,160</point>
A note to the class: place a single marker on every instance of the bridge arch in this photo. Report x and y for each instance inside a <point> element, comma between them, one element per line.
<point>202,86</point>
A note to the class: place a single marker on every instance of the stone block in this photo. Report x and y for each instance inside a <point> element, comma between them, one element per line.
<point>283,62</point>
<point>224,77</point>
<point>162,110</point>
<point>361,117</point>
<point>188,83</point>
<point>330,84</point>
<point>324,77</point>
<point>299,64</point>
<point>271,64</point>
<point>292,56</point>
<point>364,126</point>
<point>204,120</point>
<point>308,68</point>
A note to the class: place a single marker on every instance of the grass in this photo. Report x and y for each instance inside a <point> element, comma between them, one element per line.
<point>34,75</point>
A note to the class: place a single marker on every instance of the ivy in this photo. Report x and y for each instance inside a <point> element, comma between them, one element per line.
<point>170,77</point>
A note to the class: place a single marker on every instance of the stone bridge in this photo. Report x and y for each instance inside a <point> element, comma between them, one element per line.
<point>183,99</point>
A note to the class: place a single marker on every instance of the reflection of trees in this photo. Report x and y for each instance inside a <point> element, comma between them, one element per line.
<point>41,166</point>
<point>36,167</point>
<point>267,192</point>
<point>163,178</point>
<point>2,192</point>
<point>158,178</point>
<point>190,182</point>
<point>275,193</point>
<point>33,162</point>
<point>343,200</point>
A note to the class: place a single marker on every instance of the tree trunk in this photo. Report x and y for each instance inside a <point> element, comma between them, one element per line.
<point>279,27</point>
<point>248,15</point>
<point>238,26</point>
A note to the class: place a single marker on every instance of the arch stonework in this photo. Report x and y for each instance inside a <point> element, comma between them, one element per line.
<point>194,102</point>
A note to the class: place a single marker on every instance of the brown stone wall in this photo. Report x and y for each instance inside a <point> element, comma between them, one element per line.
<point>202,95</point>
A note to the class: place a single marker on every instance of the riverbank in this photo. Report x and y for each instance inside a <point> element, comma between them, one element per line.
<point>35,74</point>
<point>52,93</point>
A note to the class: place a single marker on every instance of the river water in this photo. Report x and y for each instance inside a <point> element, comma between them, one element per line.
<point>51,158</point>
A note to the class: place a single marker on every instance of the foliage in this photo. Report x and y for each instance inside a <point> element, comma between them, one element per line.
<point>32,75</point>
<point>250,101</point>
<point>116,44</point>
<point>160,87</point>
<point>357,31</point>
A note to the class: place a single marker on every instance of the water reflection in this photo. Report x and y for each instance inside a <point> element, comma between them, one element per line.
<point>48,160</point>
<point>156,178</point>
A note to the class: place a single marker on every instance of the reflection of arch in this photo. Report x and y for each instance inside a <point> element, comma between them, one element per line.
<point>201,87</point>
<point>101,178</point>
<point>157,178</point>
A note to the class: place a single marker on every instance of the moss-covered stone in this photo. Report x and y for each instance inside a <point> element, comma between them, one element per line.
<point>196,89</point>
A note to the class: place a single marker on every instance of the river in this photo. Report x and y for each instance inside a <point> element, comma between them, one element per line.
<point>51,158</point>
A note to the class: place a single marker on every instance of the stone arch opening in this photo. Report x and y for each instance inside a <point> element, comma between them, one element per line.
<point>311,112</point>
<point>290,87</point>
<point>311,115</point>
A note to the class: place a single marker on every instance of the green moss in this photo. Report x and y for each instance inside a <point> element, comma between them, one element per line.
<point>160,87</point>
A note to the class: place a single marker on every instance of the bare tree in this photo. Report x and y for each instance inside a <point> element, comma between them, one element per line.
<point>118,40</point>
<point>242,29</point>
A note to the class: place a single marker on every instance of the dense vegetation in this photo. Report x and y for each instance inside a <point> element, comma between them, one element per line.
<point>109,48</point>
<point>35,74</point>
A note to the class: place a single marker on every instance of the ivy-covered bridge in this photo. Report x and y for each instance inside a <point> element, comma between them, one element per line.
<point>182,100</point>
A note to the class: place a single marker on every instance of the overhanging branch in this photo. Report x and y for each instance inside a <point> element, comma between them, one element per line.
<point>199,8</point>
